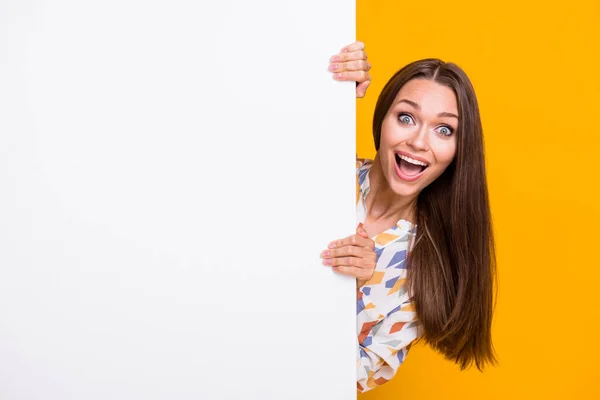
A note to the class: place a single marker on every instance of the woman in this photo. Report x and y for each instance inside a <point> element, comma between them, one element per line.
<point>423,254</point>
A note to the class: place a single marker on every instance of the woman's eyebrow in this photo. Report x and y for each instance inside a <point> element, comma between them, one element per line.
<point>409,102</point>
<point>447,114</point>
<point>418,107</point>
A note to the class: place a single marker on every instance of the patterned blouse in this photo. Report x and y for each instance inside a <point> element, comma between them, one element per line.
<point>385,316</point>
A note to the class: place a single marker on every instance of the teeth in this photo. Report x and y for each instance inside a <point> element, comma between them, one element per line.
<point>412,161</point>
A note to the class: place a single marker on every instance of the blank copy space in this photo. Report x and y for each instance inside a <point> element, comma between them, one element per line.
<point>170,172</point>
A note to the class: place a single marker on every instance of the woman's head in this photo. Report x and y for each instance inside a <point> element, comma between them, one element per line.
<point>428,111</point>
<point>425,118</point>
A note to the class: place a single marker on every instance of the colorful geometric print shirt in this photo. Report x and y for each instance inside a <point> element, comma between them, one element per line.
<point>386,318</point>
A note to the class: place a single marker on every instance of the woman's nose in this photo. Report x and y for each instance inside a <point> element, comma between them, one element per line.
<point>418,139</point>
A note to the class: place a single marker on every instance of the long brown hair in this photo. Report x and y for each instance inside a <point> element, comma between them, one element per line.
<point>452,263</point>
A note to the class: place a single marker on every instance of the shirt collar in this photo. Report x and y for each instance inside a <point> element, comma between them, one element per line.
<point>364,184</point>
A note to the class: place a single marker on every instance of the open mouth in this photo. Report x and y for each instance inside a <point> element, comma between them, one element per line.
<point>409,166</point>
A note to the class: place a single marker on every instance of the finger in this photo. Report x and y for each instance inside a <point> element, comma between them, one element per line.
<point>361,89</point>
<point>361,267</point>
<point>345,251</point>
<point>351,271</point>
<point>350,56</point>
<point>360,230</point>
<point>353,240</point>
<point>350,255</point>
<point>358,45</point>
<point>358,76</point>
<point>356,65</point>
<point>355,262</point>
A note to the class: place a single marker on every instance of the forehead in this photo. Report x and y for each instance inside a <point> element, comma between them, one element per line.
<point>430,95</point>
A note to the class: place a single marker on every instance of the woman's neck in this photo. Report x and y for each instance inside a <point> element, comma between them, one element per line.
<point>382,203</point>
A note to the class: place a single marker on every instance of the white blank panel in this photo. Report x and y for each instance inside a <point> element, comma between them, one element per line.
<point>169,173</point>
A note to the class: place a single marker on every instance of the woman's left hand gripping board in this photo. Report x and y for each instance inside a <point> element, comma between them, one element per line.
<point>354,255</point>
<point>351,64</point>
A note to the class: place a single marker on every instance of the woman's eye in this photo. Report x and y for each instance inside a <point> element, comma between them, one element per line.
<point>406,119</point>
<point>445,130</point>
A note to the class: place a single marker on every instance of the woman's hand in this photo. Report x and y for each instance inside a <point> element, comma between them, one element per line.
<point>354,256</point>
<point>351,64</point>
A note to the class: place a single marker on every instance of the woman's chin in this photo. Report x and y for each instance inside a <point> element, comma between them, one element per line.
<point>405,188</point>
<point>404,191</point>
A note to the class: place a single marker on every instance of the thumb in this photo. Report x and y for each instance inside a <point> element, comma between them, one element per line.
<point>361,89</point>
<point>361,231</point>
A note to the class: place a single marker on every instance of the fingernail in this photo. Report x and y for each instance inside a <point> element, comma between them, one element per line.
<point>331,245</point>
<point>360,224</point>
<point>335,58</point>
<point>337,75</point>
<point>325,253</point>
<point>344,50</point>
<point>333,67</point>
<point>326,261</point>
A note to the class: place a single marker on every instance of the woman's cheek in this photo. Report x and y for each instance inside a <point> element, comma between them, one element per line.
<point>446,150</point>
<point>449,156</point>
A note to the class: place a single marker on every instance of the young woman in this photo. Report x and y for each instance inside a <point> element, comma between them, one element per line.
<point>423,253</point>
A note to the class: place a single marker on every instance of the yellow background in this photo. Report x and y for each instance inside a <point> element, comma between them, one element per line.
<point>535,67</point>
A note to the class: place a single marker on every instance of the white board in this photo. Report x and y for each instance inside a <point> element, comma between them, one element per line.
<point>170,172</point>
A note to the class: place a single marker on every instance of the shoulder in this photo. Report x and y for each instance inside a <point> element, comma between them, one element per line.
<point>362,168</point>
<point>363,163</point>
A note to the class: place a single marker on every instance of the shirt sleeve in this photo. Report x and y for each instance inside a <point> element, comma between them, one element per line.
<point>383,341</point>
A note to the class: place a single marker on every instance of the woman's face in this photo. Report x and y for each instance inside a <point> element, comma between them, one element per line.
<point>418,136</point>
